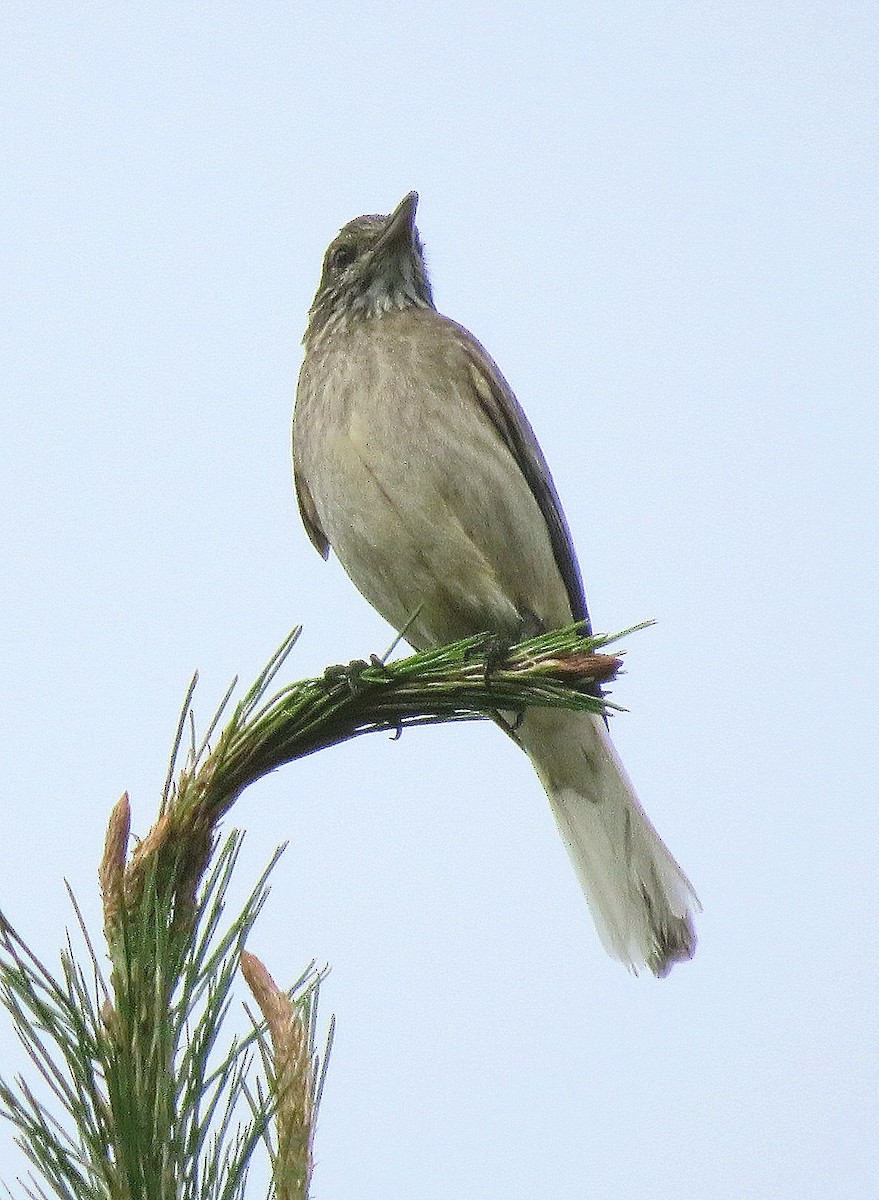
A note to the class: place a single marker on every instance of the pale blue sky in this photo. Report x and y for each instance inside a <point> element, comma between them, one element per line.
<point>660,218</point>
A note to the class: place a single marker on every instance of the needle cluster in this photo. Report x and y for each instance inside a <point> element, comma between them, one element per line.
<point>133,1095</point>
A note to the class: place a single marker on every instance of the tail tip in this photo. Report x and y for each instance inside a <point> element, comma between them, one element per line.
<point>673,944</point>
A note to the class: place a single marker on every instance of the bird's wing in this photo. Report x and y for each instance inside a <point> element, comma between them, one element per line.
<point>496,399</point>
<point>309,514</point>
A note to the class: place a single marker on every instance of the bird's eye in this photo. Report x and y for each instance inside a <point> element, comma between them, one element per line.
<point>342,257</point>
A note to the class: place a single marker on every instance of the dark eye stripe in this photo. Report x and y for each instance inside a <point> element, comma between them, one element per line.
<point>342,257</point>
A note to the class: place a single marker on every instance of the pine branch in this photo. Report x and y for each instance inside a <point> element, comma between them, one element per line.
<point>465,680</point>
<point>137,1101</point>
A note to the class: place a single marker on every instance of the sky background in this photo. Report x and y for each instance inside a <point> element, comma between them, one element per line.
<point>660,218</point>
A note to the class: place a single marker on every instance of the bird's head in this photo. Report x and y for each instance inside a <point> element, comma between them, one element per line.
<point>374,265</point>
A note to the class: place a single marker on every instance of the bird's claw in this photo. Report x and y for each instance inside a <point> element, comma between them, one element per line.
<point>351,674</point>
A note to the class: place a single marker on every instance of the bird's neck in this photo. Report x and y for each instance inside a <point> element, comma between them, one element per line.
<point>332,315</point>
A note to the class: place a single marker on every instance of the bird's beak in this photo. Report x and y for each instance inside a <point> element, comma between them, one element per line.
<point>400,227</point>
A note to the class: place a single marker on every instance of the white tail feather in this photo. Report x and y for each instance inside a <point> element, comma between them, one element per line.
<point>640,899</point>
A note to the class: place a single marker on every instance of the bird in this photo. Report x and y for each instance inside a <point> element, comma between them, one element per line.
<point>415,463</point>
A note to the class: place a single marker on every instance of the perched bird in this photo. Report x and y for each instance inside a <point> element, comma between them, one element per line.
<point>414,461</point>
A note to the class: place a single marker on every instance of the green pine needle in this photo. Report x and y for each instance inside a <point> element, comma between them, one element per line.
<point>135,1093</point>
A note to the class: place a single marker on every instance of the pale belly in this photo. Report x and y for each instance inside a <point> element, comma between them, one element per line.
<point>426,509</point>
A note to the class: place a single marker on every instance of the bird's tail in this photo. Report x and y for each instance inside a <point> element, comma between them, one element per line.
<point>641,901</point>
